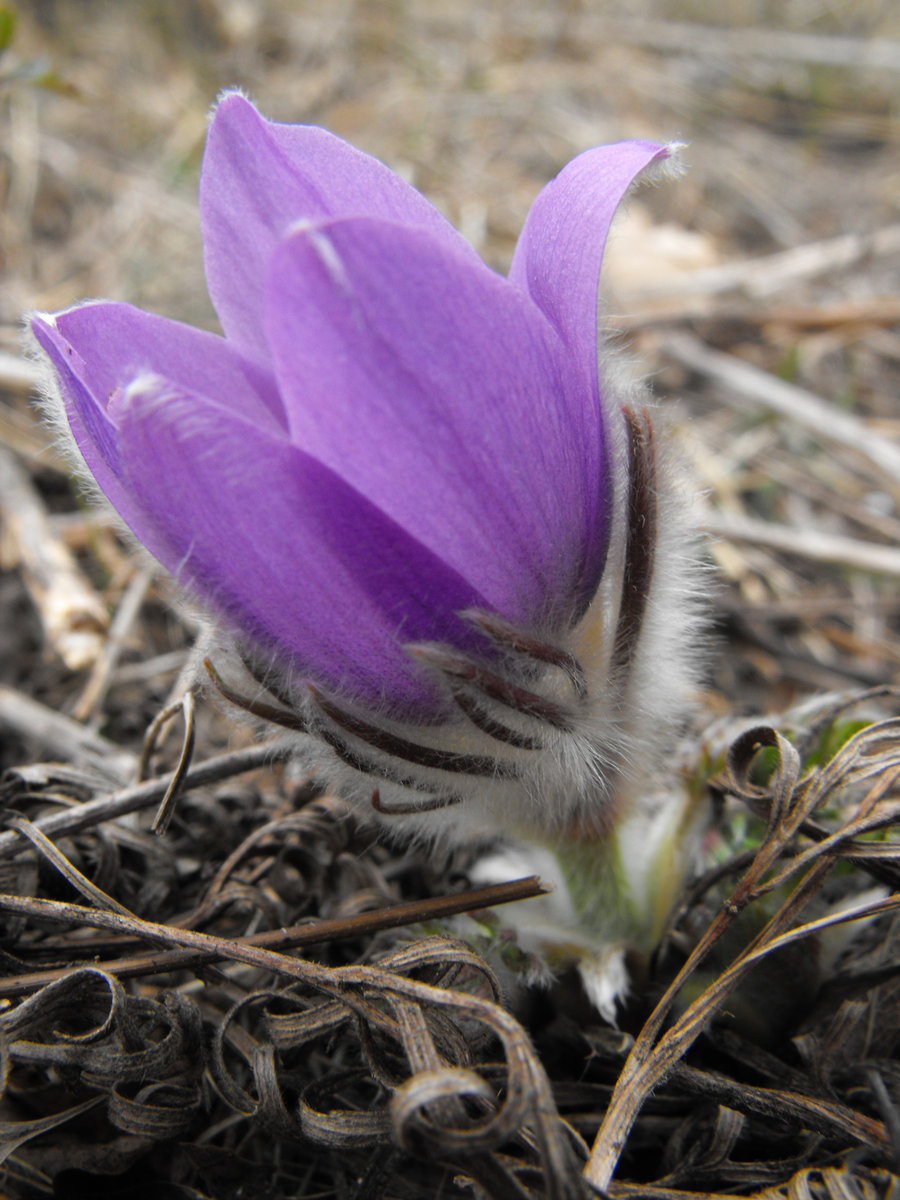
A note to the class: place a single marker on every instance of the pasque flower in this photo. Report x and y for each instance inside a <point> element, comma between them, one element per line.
<point>432,529</point>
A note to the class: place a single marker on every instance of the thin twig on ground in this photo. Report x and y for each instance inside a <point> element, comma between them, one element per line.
<point>742,381</point>
<point>73,616</point>
<point>813,544</point>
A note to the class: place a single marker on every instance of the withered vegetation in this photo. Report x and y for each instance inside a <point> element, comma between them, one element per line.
<point>181,1006</point>
<point>259,1000</point>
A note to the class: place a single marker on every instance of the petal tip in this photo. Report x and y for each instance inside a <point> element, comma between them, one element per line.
<point>41,334</point>
<point>668,164</point>
<point>231,110</point>
<point>230,100</point>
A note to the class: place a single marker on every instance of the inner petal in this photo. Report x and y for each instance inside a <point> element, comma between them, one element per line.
<point>443,395</point>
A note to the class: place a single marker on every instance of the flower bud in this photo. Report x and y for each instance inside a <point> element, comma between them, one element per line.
<point>436,536</point>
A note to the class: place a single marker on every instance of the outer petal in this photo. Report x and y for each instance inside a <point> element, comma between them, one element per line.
<point>560,250</point>
<point>284,548</point>
<point>99,350</point>
<point>557,262</point>
<point>444,395</point>
<point>93,431</point>
<point>116,343</point>
<point>259,178</point>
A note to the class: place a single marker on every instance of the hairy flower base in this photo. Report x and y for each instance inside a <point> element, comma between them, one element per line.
<point>550,753</point>
<point>535,743</point>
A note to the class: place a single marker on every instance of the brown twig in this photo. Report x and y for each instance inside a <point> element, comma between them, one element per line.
<point>741,381</point>
<point>143,795</point>
<point>312,933</point>
<point>73,616</point>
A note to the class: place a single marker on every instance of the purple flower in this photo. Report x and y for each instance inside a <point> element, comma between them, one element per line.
<point>397,471</point>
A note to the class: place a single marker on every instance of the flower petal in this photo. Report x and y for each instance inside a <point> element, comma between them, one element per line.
<point>444,395</point>
<point>98,350</point>
<point>260,177</point>
<point>117,343</point>
<point>285,549</point>
<point>557,262</point>
<point>560,250</point>
<point>93,431</point>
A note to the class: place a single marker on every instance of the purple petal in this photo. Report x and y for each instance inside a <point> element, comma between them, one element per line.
<point>259,178</point>
<point>99,350</point>
<point>291,554</point>
<point>557,262</point>
<point>118,343</point>
<point>94,432</point>
<point>443,394</point>
<point>560,250</point>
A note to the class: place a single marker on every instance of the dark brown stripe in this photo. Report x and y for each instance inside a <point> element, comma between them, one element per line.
<point>494,729</point>
<point>513,638</point>
<point>397,747</point>
<point>530,704</point>
<point>640,546</point>
<point>369,766</point>
<point>265,712</point>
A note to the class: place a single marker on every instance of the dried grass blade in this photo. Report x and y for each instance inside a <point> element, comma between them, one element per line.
<point>142,795</point>
<point>310,933</point>
<point>824,420</point>
<point>14,1134</point>
<point>166,809</point>
<point>650,1061</point>
<point>68,870</point>
<point>808,1112</point>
